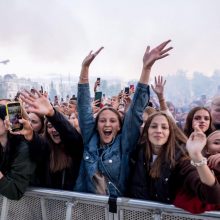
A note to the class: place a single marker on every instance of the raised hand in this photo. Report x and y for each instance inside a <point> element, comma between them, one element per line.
<point>196,143</point>
<point>90,57</point>
<point>37,103</point>
<point>158,86</point>
<point>157,53</point>
<point>214,162</point>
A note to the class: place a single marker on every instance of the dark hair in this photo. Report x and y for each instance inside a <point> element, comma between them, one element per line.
<point>176,140</point>
<point>42,118</point>
<point>110,109</point>
<point>59,158</point>
<point>188,128</point>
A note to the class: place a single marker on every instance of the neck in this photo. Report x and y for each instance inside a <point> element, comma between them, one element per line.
<point>156,149</point>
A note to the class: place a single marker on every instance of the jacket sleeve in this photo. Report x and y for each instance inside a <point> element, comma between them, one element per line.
<point>71,138</point>
<point>133,118</point>
<point>193,184</point>
<point>86,120</point>
<point>14,183</point>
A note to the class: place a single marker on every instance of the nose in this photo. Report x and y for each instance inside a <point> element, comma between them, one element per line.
<point>107,123</point>
<point>159,129</point>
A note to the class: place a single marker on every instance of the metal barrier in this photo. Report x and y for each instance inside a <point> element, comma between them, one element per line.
<point>45,204</point>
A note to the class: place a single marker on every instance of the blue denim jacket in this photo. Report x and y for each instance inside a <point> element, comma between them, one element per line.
<point>114,160</point>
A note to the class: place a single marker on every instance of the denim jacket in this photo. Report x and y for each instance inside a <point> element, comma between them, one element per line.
<point>113,162</point>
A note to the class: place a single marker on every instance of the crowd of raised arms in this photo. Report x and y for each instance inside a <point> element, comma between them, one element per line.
<point>126,147</point>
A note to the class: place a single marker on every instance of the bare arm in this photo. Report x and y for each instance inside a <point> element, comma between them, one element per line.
<point>195,144</point>
<point>84,75</point>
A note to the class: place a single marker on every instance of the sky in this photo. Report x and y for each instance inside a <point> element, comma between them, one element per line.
<point>45,37</point>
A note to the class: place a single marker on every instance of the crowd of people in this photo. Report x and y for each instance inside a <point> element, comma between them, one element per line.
<point>126,146</point>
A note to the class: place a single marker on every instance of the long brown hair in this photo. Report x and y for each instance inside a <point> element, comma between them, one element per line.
<point>175,140</point>
<point>59,158</point>
<point>188,128</point>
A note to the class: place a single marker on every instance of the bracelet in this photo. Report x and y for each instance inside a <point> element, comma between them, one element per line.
<point>200,163</point>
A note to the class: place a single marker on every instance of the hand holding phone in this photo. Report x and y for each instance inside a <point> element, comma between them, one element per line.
<point>98,96</point>
<point>14,114</point>
<point>127,90</point>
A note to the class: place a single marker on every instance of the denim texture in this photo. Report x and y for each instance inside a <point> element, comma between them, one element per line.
<point>113,162</point>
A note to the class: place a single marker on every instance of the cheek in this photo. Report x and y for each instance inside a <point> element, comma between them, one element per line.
<point>214,147</point>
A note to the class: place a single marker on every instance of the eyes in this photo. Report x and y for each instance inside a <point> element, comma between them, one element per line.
<point>197,118</point>
<point>49,126</point>
<point>163,126</point>
<point>111,120</point>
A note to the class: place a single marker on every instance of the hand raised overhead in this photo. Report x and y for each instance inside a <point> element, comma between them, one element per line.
<point>158,86</point>
<point>156,53</point>
<point>90,57</point>
<point>39,104</point>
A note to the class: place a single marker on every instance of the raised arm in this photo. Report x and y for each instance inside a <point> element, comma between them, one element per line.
<point>84,75</point>
<point>195,145</point>
<point>150,57</point>
<point>133,117</point>
<point>158,88</point>
<point>86,119</point>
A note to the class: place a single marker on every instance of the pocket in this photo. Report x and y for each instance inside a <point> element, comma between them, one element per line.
<point>113,165</point>
<point>88,158</point>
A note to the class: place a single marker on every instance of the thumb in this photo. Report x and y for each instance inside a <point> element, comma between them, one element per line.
<point>197,128</point>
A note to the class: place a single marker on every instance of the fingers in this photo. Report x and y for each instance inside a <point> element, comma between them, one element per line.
<point>197,128</point>
<point>214,160</point>
<point>162,45</point>
<point>98,51</point>
<point>166,50</point>
<point>147,50</point>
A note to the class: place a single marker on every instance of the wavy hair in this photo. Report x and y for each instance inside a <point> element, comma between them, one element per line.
<point>176,141</point>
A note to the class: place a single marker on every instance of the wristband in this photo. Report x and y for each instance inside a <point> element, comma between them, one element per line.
<point>200,163</point>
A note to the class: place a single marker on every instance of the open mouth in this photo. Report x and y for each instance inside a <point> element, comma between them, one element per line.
<point>107,133</point>
<point>56,135</point>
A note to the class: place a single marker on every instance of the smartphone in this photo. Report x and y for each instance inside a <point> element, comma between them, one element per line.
<point>126,90</point>
<point>13,110</point>
<point>98,96</point>
<point>132,88</point>
<point>98,81</point>
<point>41,89</point>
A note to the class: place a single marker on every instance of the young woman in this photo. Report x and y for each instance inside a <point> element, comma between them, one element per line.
<point>107,142</point>
<point>58,151</point>
<point>37,122</point>
<point>201,116</point>
<point>163,166</point>
<point>16,167</point>
<point>191,202</point>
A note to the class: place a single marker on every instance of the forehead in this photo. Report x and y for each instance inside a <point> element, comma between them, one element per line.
<point>214,136</point>
<point>160,119</point>
<point>201,112</point>
<point>33,116</point>
<point>108,114</point>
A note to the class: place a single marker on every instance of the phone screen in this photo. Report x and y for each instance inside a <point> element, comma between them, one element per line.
<point>126,90</point>
<point>98,96</point>
<point>98,81</point>
<point>14,114</point>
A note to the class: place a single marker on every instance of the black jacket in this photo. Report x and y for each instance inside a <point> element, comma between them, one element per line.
<point>16,166</point>
<point>164,189</point>
<point>40,152</point>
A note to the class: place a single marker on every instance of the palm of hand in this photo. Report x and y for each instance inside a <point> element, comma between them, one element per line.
<point>150,57</point>
<point>158,89</point>
<point>196,143</point>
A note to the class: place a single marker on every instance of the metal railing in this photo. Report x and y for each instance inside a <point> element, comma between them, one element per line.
<point>46,204</point>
